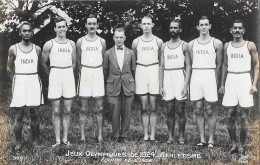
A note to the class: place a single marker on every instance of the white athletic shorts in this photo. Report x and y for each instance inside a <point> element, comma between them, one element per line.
<point>91,83</point>
<point>61,84</point>
<point>147,79</point>
<point>173,83</point>
<point>203,85</point>
<point>27,90</point>
<point>237,89</point>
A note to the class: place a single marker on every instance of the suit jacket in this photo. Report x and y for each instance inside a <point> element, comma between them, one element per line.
<point>115,79</point>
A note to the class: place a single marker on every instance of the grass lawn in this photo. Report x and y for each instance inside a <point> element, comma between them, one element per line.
<point>133,150</point>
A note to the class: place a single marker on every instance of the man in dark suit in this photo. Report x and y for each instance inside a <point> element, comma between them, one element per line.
<point>119,68</point>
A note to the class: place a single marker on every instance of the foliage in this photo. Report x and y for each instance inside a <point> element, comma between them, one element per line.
<point>220,12</point>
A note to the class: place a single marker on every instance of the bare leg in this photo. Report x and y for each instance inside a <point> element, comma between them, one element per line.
<point>34,113</point>
<point>211,121</point>
<point>145,115</point>
<point>66,119</point>
<point>82,117</point>
<point>200,120</point>
<point>99,105</point>
<point>231,126</point>
<point>182,120</point>
<point>56,119</point>
<point>244,129</point>
<point>18,127</point>
<point>170,119</point>
<point>153,116</point>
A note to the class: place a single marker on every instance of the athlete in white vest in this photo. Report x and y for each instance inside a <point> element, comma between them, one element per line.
<point>236,84</point>
<point>22,67</point>
<point>90,50</point>
<point>206,55</point>
<point>174,82</point>
<point>62,55</point>
<point>147,48</point>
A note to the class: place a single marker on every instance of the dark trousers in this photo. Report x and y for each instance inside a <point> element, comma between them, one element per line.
<point>120,107</point>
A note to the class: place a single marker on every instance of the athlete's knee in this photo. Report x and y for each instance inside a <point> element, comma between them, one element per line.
<point>34,113</point>
<point>56,112</point>
<point>144,109</point>
<point>153,110</point>
<point>100,110</point>
<point>67,111</point>
<point>244,117</point>
<point>170,113</point>
<point>181,110</point>
<point>83,111</point>
<point>198,111</point>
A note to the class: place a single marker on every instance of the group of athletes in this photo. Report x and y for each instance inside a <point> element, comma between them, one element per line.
<point>174,69</point>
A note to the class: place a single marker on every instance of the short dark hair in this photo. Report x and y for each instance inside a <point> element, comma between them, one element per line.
<point>120,27</point>
<point>149,16</point>
<point>202,18</point>
<point>59,19</point>
<point>91,16</point>
<point>25,23</point>
<point>238,21</point>
<point>177,21</point>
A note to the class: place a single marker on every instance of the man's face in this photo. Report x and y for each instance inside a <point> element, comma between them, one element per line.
<point>237,30</point>
<point>204,26</point>
<point>92,25</point>
<point>119,38</point>
<point>61,28</point>
<point>26,32</point>
<point>147,25</point>
<point>174,30</point>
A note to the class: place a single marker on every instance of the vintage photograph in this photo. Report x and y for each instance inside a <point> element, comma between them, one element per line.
<point>129,82</point>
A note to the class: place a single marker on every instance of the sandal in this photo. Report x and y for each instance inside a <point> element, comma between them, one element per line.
<point>233,151</point>
<point>55,145</point>
<point>169,142</point>
<point>201,144</point>
<point>67,143</point>
<point>210,145</point>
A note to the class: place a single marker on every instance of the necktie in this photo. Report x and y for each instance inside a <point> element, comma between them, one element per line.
<point>119,48</point>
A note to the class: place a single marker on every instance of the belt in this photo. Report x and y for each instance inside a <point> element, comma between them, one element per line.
<point>168,69</point>
<point>60,67</point>
<point>26,73</point>
<point>238,72</point>
<point>203,68</point>
<point>146,65</point>
<point>92,66</point>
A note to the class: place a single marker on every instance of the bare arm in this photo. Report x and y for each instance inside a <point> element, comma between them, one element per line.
<point>45,56</point>
<point>134,46</point>
<point>103,42</point>
<point>160,43</point>
<point>190,45</point>
<point>219,53</point>
<point>161,70</point>
<point>73,55</point>
<point>39,53</point>
<point>188,65</point>
<point>224,70</point>
<point>255,59</point>
<point>10,61</point>
<point>78,52</point>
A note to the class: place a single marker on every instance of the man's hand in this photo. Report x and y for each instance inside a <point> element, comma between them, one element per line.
<point>184,91</point>
<point>222,90</point>
<point>162,92</point>
<point>253,89</point>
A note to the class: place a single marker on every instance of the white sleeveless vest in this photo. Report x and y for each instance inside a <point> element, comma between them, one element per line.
<point>26,62</point>
<point>174,58</point>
